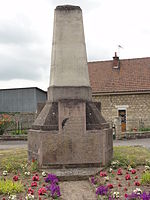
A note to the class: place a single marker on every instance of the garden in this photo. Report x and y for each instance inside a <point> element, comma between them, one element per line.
<point>127,177</point>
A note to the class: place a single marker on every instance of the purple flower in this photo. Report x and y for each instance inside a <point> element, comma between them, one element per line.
<point>51,178</point>
<point>102,190</point>
<point>54,189</point>
<point>93,180</point>
<point>145,196</point>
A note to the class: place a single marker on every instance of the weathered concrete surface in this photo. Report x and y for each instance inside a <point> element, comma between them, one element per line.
<point>70,129</point>
<point>74,174</point>
<point>70,67</point>
<point>77,190</point>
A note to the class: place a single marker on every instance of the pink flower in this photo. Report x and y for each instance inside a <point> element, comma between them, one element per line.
<point>34,184</point>
<point>133,171</point>
<point>125,195</point>
<point>110,186</point>
<point>35,177</point>
<point>42,191</point>
<point>127,177</point>
<point>30,191</point>
<point>15,178</point>
<point>137,183</point>
<point>119,172</point>
<point>102,174</point>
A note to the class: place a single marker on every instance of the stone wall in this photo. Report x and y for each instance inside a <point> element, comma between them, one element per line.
<point>137,108</point>
<point>21,120</point>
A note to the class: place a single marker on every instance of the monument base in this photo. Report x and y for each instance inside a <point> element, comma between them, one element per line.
<point>56,150</point>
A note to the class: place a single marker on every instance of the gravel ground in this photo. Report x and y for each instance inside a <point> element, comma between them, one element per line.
<point>23,144</point>
<point>13,144</point>
<point>137,142</point>
<point>77,190</point>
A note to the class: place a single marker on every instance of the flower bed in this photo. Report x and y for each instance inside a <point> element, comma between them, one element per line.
<point>26,185</point>
<point>122,183</point>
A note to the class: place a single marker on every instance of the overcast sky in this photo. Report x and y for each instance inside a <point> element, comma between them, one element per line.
<point>26,35</point>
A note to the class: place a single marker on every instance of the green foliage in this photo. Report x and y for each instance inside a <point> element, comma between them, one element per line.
<point>10,187</point>
<point>145,178</point>
<point>19,132</point>
<point>34,165</point>
<point>131,155</point>
<point>144,129</point>
<point>12,160</point>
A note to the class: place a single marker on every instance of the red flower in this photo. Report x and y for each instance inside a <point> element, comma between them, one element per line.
<point>35,177</point>
<point>41,191</point>
<point>15,178</point>
<point>119,172</point>
<point>127,177</point>
<point>125,195</point>
<point>136,177</point>
<point>119,185</point>
<point>125,189</point>
<point>137,183</point>
<point>133,171</point>
<point>34,184</point>
<point>110,186</point>
<point>30,191</point>
<point>102,174</point>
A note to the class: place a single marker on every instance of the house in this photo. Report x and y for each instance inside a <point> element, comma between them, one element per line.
<point>24,100</point>
<point>123,88</point>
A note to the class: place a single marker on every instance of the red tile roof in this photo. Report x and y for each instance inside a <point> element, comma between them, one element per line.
<point>133,75</point>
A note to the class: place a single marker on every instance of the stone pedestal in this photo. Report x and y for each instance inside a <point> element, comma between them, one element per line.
<point>70,130</point>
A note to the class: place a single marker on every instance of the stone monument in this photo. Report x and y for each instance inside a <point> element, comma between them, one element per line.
<point>70,130</point>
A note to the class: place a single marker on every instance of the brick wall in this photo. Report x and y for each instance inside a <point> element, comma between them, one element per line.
<point>137,108</point>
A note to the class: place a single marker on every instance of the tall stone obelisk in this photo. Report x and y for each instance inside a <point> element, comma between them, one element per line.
<point>69,72</point>
<point>70,130</point>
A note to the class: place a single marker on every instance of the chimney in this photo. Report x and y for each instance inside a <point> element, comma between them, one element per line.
<point>116,62</point>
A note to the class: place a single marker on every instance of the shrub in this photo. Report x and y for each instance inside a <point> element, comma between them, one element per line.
<point>145,178</point>
<point>5,122</point>
<point>10,187</point>
<point>144,129</point>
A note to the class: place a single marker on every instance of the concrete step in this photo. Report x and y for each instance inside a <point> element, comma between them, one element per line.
<point>74,174</point>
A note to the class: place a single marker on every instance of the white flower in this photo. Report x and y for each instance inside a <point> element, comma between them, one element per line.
<point>116,195</point>
<point>129,168</point>
<point>5,173</point>
<point>12,197</point>
<point>137,191</point>
<point>43,174</point>
<point>147,167</point>
<point>27,173</point>
<point>106,178</point>
<point>29,197</point>
<point>110,170</point>
<point>115,164</point>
